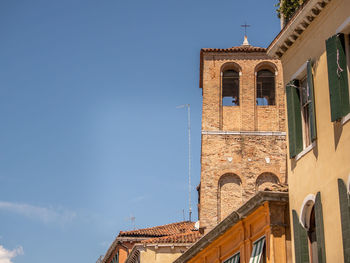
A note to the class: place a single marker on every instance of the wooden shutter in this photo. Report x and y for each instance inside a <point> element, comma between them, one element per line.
<point>311,98</point>
<point>301,245</point>
<point>345,219</point>
<point>337,77</point>
<point>321,247</point>
<point>294,119</point>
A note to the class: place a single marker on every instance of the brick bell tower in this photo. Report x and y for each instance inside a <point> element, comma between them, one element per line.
<point>243,129</point>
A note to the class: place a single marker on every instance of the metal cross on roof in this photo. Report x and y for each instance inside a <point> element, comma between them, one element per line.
<point>245,28</point>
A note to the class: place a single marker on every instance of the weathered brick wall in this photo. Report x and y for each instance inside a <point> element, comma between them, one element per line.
<point>247,116</point>
<point>227,151</point>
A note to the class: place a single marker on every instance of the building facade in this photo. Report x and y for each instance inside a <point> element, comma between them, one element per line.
<point>258,231</point>
<point>243,129</point>
<point>162,249</point>
<point>154,244</point>
<point>314,48</point>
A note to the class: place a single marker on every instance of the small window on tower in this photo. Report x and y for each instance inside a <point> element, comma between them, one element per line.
<point>265,88</point>
<point>230,88</point>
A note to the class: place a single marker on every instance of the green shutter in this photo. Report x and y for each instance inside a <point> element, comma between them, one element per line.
<point>294,119</point>
<point>311,98</point>
<point>321,247</point>
<point>301,245</point>
<point>345,218</point>
<point>337,77</point>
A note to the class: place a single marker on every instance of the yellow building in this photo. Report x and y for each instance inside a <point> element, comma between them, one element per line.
<point>258,231</point>
<point>314,48</point>
<point>159,244</point>
<point>162,249</point>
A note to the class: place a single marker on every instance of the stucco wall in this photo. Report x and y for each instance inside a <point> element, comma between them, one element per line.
<point>160,254</point>
<point>319,169</point>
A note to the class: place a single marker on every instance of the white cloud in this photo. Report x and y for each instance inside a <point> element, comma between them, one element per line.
<point>43,214</point>
<point>7,255</point>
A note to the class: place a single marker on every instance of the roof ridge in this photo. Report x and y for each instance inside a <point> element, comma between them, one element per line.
<point>235,48</point>
<point>161,227</point>
<point>193,233</point>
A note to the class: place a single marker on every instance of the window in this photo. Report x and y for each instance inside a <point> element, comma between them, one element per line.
<point>115,258</point>
<point>301,111</point>
<point>309,240</point>
<point>233,259</point>
<point>265,88</point>
<point>259,252</point>
<point>338,75</point>
<point>311,233</point>
<point>304,91</point>
<point>230,88</point>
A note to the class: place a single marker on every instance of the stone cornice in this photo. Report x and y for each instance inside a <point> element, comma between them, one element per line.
<point>258,133</point>
<point>295,27</point>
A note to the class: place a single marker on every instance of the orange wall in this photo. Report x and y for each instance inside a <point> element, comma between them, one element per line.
<point>241,236</point>
<point>123,253</point>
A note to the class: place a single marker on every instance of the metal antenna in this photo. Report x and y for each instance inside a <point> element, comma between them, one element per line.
<point>189,155</point>
<point>132,218</point>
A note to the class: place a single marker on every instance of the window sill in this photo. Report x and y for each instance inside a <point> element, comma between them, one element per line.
<point>345,119</point>
<point>305,151</point>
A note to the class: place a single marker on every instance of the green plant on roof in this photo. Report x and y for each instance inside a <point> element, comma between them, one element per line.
<point>287,8</point>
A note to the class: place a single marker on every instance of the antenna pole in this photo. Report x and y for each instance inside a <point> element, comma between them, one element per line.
<point>189,160</point>
<point>189,156</point>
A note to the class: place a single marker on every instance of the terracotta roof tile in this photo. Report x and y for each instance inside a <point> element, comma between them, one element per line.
<point>189,237</point>
<point>160,231</point>
<point>276,188</point>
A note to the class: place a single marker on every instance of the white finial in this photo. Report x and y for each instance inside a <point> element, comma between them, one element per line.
<point>245,42</point>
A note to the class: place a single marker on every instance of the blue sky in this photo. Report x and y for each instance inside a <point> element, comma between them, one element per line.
<point>90,133</point>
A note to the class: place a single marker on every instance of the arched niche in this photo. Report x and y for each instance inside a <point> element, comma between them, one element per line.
<point>265,180</point>
<point>229,194</point>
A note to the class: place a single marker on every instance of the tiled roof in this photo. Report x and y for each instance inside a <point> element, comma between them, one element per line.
<point>160,231</point>
<point>184,238</point>
<point>184,232</point>
<point>243,48</point>
<point>276,188</point>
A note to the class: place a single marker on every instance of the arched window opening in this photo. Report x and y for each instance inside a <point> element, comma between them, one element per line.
<point>265,88</point>
<point>230,88</point>
<point>229,194</point>
<point>311,233</point>
<point>266,181</point>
